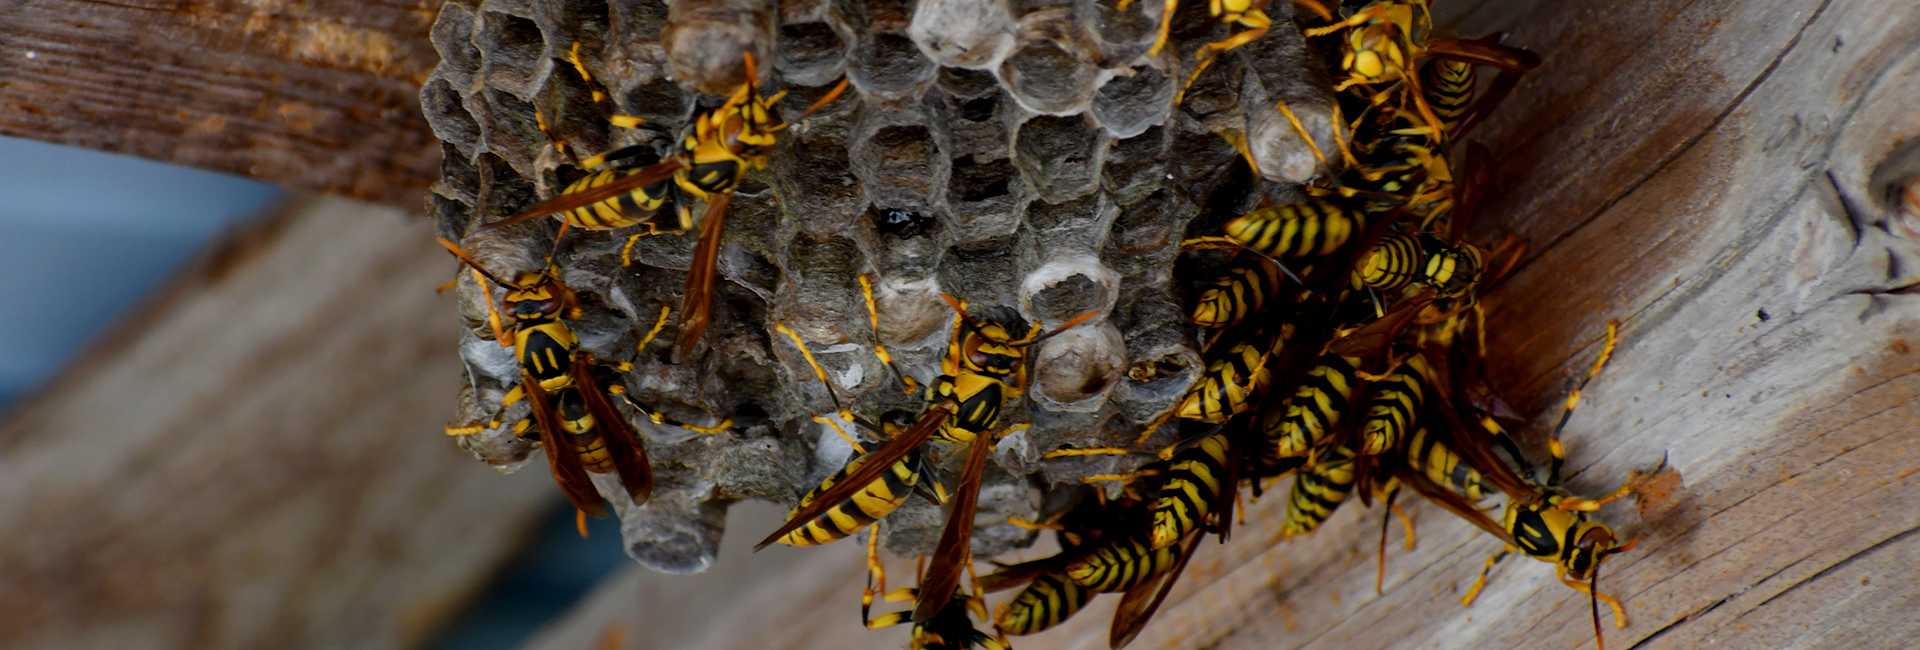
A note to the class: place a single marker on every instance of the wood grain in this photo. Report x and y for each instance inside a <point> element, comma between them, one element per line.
<point>1711,172</point>
<point>256,460</point>
<point>315,95</point>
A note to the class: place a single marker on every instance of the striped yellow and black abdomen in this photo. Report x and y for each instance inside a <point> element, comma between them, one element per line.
<point>648,205</point>
<point>1391,408</point>
<point>879,499</point>
<point>579,435</point>
<point>1193,484</point>
<point>1120,564</point>
<point>1047,601</point>
<point>1394,263</point>
<point>1449,89</point>
<point>1303,229</point>
<point>1225,388</point>
<point>1441,465</point>
<point>1318,491</point>
<point>1314,410</point>
<point>1238,294</point>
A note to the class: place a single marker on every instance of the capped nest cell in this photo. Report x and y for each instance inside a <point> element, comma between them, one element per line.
<point>1023,156</point>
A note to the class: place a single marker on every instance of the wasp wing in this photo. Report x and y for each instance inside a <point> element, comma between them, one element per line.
<point>1139,603</point>
<point>1373,338</point>
<point>876,463</point>
<point>1452,501</point>
<point>623,443</point>
<point>1466,437</point>
<point>696,303</point>
<point>952,555</point>
<point>565,464</point>
<point>616,187</point>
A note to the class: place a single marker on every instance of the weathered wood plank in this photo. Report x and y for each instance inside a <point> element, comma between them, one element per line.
<point>256,461</point>
<point>316,95</point>
<point>1713,173</point>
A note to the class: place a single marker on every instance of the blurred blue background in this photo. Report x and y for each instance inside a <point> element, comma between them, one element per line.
<point>85,235</point>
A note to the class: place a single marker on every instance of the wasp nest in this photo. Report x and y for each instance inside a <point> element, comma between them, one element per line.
<point>1024,155</point>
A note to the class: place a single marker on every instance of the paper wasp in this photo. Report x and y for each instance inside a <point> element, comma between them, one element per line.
<point>984,366</point>
<point>720,146</point>
<point>1385,37</point>
<point>871,504</point>
<point>949,628</point>
<point>1318,489</point>
<point>1542,521</point>
<point>578,427</point>
<point>1238,294</point>
<point>1102,549</point>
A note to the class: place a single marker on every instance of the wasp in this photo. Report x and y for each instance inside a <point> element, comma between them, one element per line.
<point>1195,480</point>
<point>1385,37</point>
<point>718,147</point>
<point>1402,259</point>
<point>949,628</point>
<point>1320,488</point>
<point>578,426</point>
<point>1228,383</point>
<point>985,365</point>
<point>1238,294</point>
<point>1105,551</point>
<point>871,504</point>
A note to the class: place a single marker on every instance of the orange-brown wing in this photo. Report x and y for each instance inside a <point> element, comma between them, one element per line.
<point>1374,337</point>
<point>562,460</point>
<point>1467,192</point>
<point>567,201</point>
<point>623,443</point>
<point>952,555</point>
<point>877,463</point>
<point>696,303</point>
<point>1139,603</point>
<point>1450,500</point>
<point>1466,437</point>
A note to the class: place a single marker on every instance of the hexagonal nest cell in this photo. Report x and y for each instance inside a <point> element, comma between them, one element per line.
<point>1025,157</point>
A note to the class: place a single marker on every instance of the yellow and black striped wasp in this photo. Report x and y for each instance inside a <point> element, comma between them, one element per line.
<point>577,425</point>
<point>1104,548</point>
<point>879,499</point>
<point>719,146</point>
<point>1385,38</point>
<point>949,628</point>
<point>984,366</point>
<point>1543,521</point>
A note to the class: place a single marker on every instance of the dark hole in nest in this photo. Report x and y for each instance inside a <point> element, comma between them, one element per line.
<point>973,180</point>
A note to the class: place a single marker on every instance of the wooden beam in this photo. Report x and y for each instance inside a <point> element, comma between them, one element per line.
<point>1716,173</point>
<point>257,459</point>
<point>314,95</point>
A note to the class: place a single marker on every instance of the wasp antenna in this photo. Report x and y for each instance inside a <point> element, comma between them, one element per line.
<point>827,99</point>
<point>960,307</point>
<point>476,265</point>
<point>1062,328</point>
<point>1593,599</point>
<point>753,75</point>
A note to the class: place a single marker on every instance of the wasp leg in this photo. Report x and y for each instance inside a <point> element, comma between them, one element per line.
<point>817,370</point>
<point>658,324</point>
<point>1255,21</point>
<point>1573,400</point>
<point>1065,452</point>
<point>873,318</point>
<point>1619,614</point>
<point>1481,582</point>
<point>857,448</point>
<point>657,418</point>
